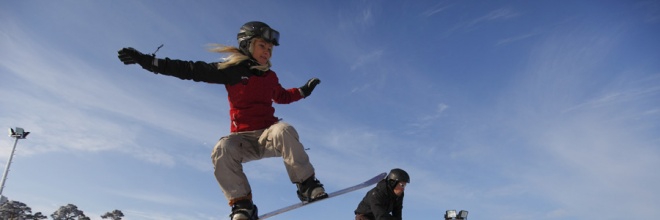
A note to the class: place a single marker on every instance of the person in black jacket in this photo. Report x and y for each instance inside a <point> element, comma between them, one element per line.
<point>385,201</point>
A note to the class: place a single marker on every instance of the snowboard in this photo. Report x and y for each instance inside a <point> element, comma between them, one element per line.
<point>369,182</point>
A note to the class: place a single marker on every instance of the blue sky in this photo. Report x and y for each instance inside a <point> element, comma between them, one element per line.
<point>507,109</point>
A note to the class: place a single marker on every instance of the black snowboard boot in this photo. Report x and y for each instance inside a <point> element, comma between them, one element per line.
<point>244,210</point>
<point>311,190</point>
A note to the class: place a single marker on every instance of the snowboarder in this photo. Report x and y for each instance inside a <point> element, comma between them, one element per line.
<point>385,200</point>
<point>255,132</point>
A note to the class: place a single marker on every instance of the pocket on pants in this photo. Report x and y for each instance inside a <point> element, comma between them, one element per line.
<point>269,149</point>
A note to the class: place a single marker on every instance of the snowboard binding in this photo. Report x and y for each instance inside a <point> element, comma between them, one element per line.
<point>244,210</point>
<point>311,190</point>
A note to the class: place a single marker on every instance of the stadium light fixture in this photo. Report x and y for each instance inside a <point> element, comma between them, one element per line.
<point>18,133</point>
<point>452,215</point>
<point>462,214</point>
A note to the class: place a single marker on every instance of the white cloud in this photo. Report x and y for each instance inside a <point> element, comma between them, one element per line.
<point>494,15</point>
<point>428,120</point>
<point>367,60</point>
<point>439,7</point>
<point>71,104</point>
<point>590,153</point>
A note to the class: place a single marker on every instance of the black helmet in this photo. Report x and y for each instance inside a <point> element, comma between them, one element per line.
<point>254,29</point>
<point>397,175</point>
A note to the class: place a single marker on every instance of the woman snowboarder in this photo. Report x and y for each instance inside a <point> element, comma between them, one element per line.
<point>256,133</point>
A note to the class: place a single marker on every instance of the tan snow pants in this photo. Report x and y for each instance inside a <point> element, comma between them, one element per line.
<point>279,140</point>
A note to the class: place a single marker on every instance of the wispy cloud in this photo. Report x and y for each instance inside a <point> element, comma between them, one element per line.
<point>430,119</point>
<point>86,109</point>
<point>515,39</point>
<point>358,20</point>
<point>435,9</point>
<point>618,97</point>
<point>495,15</point>
<point>593,149</point>
<point>366,17</point>
<point>366,59</point>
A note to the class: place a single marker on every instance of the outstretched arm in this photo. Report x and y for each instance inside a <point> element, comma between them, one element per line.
<point>187,70</point>
<point>286,96</point>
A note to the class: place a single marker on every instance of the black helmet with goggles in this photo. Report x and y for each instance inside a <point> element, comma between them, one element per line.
<point>254,29</point>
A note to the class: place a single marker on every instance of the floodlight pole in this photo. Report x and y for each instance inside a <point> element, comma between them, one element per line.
<point>20,135</point>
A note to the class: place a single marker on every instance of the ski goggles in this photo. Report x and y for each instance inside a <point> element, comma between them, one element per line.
<point>270,35</point>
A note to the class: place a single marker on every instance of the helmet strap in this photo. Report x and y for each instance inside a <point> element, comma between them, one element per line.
<point>245,48</point>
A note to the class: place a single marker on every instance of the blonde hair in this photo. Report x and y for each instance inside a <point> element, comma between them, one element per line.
<point>235,56</point>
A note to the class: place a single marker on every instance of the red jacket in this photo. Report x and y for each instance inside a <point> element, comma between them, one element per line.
<point>251,93</point>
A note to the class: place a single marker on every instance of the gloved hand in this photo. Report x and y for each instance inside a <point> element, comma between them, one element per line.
<point>129,55</point>
<point>307,89</point>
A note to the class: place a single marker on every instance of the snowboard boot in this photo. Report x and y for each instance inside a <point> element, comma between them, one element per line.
<point>244,210</point>
<point>311,190</point>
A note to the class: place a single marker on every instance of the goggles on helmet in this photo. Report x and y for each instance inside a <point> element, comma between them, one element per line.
<point>268,34</point>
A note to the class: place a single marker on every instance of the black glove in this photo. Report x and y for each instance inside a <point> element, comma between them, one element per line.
<point>307,89</point>
<point>128,55</point>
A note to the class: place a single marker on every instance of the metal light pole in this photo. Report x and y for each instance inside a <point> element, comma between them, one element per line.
<point>19,133</point>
